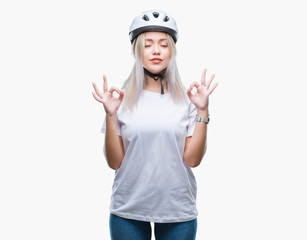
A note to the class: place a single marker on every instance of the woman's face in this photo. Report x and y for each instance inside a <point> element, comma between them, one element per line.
<point>157,52</point>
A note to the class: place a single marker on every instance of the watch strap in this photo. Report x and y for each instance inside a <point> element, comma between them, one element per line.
<point>202,119</point>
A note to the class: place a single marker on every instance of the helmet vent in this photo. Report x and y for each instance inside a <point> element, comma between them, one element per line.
<point>155,14</point>
<point>146,18</point>
<point>166,19</point>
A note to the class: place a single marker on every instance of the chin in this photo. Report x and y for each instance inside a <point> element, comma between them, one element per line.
<point>155,69</point>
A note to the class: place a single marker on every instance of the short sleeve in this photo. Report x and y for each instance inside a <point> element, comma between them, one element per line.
<point>103,128</point>
<point>192,115</point>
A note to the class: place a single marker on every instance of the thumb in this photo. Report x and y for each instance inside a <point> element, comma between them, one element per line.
<point>121,96</point>
<point>189,93</point>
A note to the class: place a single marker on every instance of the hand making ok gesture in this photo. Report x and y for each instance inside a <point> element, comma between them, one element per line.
<point>201,98</point>
<point>109,101</point>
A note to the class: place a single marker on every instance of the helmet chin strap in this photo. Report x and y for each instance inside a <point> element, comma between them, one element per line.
<point>156,77</point>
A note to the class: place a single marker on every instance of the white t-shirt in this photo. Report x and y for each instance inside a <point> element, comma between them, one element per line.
<point>154,183</point>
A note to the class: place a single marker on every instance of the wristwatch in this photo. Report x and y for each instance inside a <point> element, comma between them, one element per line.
<point>202,119</point>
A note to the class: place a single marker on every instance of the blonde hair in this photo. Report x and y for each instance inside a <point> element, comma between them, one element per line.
<point>136,81</point>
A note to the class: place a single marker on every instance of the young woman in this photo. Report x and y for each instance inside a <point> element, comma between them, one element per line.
<point>155,132</point>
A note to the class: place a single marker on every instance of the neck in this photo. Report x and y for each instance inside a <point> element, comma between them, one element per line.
<point>155,76</point>
<point>155,82</point>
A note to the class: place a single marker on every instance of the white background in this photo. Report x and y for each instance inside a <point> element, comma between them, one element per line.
<point>54,180</point>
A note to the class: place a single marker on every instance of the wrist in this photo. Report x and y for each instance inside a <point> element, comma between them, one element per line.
<point>203,113</point>
<point>111,115</point>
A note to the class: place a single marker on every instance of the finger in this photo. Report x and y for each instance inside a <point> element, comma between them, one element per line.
<point>189,92</point>
<point>96,90</point>
<point>212,89</point>
<point>98,99</point>
<point>121,95</point>
<point>210,81</point>
<point>105,83</point>
<point>203,77</point>
<point>194,84</point>
<point>112,89</point>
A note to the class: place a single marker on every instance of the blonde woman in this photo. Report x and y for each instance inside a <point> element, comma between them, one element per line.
<point>155,132</point>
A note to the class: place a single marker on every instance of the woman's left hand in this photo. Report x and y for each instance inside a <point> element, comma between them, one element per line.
<point>201,98</point>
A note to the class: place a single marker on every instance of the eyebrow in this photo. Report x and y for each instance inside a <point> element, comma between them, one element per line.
<point>160,40</point>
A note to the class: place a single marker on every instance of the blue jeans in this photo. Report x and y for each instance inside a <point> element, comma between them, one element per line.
<point>128,229</point>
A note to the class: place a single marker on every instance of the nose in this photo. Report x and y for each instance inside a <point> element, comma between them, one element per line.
<point>156,49</point>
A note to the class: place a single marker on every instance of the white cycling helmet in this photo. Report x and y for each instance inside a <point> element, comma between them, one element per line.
<point>153,20</point>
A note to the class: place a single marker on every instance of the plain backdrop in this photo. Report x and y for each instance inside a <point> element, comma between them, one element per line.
<point>54,180</point>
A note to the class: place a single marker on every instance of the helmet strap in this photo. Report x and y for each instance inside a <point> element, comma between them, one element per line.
<point>156,77</point>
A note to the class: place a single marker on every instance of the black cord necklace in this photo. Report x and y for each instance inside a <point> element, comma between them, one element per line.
<point>156,77</point>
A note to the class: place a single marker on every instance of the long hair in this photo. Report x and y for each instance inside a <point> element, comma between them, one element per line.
<point>135,83</point>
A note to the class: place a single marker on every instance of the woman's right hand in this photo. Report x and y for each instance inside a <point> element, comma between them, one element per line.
<point>110,103</point>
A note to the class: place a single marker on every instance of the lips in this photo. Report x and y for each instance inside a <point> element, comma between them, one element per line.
<point>156,60</point>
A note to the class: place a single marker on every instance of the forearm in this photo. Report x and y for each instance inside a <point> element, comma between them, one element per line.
<point>114,150</point>
<point>196,146</point>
